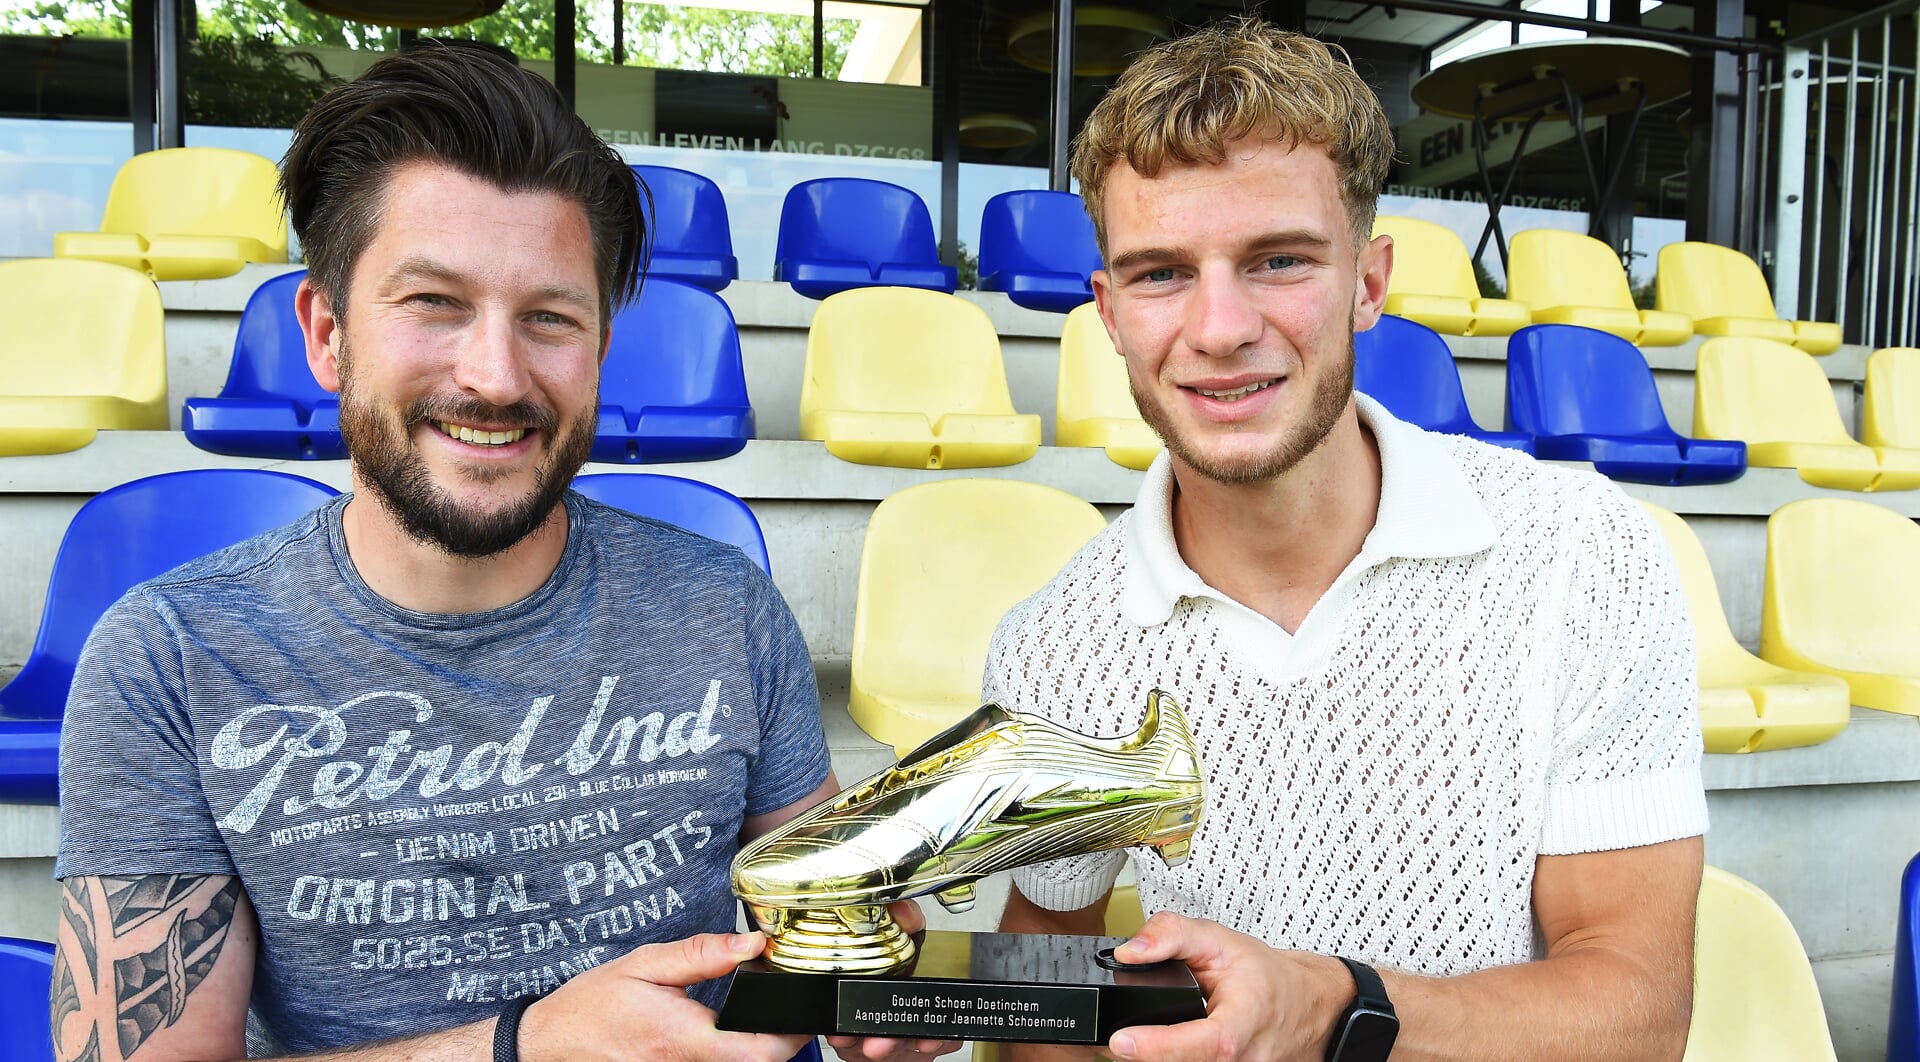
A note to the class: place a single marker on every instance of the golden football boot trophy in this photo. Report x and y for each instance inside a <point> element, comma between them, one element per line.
<point>996,791</point>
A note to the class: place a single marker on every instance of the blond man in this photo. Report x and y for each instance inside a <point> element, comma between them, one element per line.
<point>1444,694</point>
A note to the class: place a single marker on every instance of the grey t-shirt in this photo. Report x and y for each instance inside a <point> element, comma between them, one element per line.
<point>432,814</point>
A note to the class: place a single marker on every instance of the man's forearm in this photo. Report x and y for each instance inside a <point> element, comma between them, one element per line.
<point>1589,1004</point>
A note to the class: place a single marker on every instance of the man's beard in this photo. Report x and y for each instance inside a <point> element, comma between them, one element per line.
<point>1324,407</point>
<point>394,472</point>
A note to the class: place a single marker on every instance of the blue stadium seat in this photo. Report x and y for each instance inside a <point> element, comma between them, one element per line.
<point>271,405</point>
<point>121,537</point>
<point>699,507</point>
<point>672,387</point>
<point>1903,1026</point>
<point>1406,367</point>
<point>26,980</point>
<point>848,232</point>
<point>1585,395</point>
<point>1038,247</point>
<point>691,240</point>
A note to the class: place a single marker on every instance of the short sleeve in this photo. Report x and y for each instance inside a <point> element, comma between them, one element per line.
<point>793,760</point>
<point>1623,768</point>
<point>131,802</point>
<point>1064,884</point>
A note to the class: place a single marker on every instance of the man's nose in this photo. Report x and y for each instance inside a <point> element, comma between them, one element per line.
<point>492,365</point>
<point>1221,316</point>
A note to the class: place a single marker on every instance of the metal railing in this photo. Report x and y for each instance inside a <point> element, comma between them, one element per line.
<point>1845,201</point>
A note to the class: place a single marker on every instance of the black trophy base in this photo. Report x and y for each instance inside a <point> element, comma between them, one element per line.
<point>1005,987</point>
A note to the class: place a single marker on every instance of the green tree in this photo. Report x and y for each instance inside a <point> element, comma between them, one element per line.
<point>679,38</point>
<point>290,23</point>
<point>1489,287</point>
<point>734,42</point>
<point>251,82</point>
<point>51,18</point>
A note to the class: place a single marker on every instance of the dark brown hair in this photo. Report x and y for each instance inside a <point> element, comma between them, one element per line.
<point>472,110</point>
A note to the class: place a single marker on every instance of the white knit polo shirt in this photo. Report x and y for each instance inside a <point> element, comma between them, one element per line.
<point>1505,671</point>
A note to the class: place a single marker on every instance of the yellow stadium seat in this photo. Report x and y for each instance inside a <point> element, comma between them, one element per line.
<point>1433,283</point>
<point>912,379</point>
<point>1095,405</point>
<point>1754,996</point>
<point>1570,278</point>
<point>1779,402</point>
<point>943,562</point>
<point>82,347</point>
<point>1725,294</point>
<point>1842,579</point>
<point>187,214</point>
<point>1890,415</point>
<point>1746,704</point>
<point>1124,914</point>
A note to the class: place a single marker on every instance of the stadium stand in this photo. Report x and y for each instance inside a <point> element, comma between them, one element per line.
<point>1585,395</point>
<point>1842,579</point>
<point>1094,406</point>
<point>1746,704</point>
<point>942,563</point>
<point>119,538</point>
<point>1406,366</point>
<point>1754,997</point>
<point>1433,282</point>
<point>699,507</point>
<point>1890,410</point>
<point>912,379</point>
<point>1571,278</point>
<point>691,238</point>
<point>1726,295</point>
<point>1903,1025</point>
<point>1777,400</point>
<point>26,981</point>
<point>673,387</point>
<point>190,213</point>
<point>271,406</point>
<point>838,233</point>
<point>1038,247</point>
<point>66,375</point>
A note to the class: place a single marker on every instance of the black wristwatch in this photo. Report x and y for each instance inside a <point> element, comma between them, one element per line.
<point>1366,1032</point>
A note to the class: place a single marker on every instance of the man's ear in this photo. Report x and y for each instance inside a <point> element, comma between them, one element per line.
<point>1103,301</point>
<point>1370,285</point>
<point>321,328</point>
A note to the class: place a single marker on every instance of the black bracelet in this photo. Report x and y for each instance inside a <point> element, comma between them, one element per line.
<point>506,1029</point>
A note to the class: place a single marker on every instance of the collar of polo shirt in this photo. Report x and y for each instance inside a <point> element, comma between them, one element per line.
<point>1427,509</point>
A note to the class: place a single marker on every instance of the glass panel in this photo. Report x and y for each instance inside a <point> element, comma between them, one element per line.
<point>886,46</point>
<point>63,118</point>
<point>726,89</point>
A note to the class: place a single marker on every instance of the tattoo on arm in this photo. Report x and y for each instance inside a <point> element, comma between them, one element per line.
<point>169,928</point>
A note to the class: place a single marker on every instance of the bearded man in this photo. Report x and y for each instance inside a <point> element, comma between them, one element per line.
<point>456,765</point>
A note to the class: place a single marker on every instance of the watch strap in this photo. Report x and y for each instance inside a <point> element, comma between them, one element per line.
<point>506,1029</point>
<point>1373,991</point>
<point>1364,1018</point>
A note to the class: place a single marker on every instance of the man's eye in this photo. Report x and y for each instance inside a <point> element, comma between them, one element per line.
<point>1157,276</point>
<point>429,299</point>
<point>1282,261</point>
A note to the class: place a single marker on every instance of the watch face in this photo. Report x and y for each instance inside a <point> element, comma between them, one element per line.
<point>1368,1037</point>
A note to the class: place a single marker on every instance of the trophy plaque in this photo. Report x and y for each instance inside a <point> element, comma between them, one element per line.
<point>996,791</point>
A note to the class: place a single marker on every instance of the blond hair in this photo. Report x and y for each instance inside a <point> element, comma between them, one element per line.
<point>1187,99</point>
